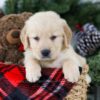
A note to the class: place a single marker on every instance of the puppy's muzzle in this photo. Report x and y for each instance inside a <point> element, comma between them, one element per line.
<point>45,53</point>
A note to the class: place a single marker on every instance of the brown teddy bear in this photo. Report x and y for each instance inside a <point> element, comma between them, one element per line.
<point>10,27</point>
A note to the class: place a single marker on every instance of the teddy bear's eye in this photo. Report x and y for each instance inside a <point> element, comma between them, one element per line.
<point>36,38</point>
<point>53,37</point>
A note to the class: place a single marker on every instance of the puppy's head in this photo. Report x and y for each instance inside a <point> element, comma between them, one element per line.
<point>46,35</point>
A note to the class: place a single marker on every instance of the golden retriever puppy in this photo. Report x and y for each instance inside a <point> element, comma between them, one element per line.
<point>46,39</point>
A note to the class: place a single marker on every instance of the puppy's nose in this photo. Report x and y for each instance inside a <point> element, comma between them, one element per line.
<point>45,52</point>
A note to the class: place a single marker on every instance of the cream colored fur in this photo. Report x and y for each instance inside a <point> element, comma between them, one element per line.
<point>45,25</point>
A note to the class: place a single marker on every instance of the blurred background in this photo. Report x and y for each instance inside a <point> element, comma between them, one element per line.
<point>77,13</point>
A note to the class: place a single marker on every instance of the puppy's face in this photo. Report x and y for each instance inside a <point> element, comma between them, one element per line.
<point>46,44</point>
<point>45,35</point>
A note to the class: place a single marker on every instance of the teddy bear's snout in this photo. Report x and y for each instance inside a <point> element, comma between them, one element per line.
<point>13,36</point>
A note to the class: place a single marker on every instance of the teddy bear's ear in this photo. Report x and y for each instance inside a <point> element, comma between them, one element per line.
<point>24,38</point>
<point>25,15</point>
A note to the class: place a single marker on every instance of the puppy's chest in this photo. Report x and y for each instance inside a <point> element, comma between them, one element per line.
<point>55,64</point>
<point>58,63</point>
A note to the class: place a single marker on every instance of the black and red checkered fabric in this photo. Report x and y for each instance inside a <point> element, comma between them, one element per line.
<point>13,85</point>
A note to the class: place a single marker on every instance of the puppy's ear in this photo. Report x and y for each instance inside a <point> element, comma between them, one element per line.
<point>67,34</point>
<point>24,38</point>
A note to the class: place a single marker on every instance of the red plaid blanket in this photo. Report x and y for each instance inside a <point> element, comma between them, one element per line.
<point>13,85</point>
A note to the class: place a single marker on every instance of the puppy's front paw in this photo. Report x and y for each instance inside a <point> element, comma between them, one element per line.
<point>71,73</point>
<point>33,75</point>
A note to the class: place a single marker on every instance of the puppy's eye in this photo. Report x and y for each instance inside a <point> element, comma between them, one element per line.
<point>36,38</point>
<point>53,37</point>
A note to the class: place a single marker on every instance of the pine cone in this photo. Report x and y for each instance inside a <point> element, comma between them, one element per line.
<point>88,40</point>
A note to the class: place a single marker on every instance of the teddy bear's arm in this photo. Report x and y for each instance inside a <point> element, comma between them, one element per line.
<point>13,56</point>
<point>2,54</point>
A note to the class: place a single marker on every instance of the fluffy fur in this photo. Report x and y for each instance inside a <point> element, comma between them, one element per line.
<point>10,27</point>
<point>47,30</point>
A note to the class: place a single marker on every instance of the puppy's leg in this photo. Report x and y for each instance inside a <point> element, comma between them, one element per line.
<point>33,69</point>
<point>83,63</point>
<point>81,59</point>
<point>71,71</point>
